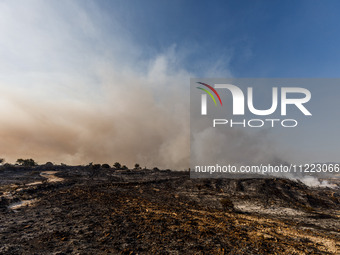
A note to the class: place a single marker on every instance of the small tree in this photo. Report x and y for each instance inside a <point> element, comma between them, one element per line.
<point>20,161</point>
<point>117,165</point>
<point>124,167</point>
<point>2,160</point>
<point>105,166</point>
<point>49,165</point>
<point>26,162</point>
<point>137,166</point>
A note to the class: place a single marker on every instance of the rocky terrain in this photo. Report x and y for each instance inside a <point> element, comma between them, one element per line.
<point>81,210</point>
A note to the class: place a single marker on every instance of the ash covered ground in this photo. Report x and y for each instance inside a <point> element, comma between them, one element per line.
<point>76,210</point>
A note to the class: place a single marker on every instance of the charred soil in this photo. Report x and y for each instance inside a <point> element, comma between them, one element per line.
<point>162,212</point>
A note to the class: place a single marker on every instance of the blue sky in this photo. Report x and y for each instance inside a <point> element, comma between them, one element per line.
<point>107,81</point>
<point>250,38</point>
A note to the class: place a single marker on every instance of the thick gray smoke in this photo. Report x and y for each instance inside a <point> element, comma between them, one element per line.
<point>135,118</point>
<point>233,146</point>
<point>75,88</point>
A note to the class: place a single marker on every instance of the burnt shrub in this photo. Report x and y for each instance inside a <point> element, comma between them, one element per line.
<point>117,165</point>
<point>93,170</point>
<point>7,167</point>
<point>227,204</point>
<point>26,162</point>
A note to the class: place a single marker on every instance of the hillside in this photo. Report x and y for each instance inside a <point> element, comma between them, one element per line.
<point>76,210</point>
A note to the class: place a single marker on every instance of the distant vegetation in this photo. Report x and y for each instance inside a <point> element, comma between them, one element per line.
<point>94,168</point>
<point>26,162</point>
<point>117,165</point>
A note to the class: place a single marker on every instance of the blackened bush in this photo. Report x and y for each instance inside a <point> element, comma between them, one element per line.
<point>105,166</point>
<point>96,166</point>
<point>227,204</point>
<point>26,162</point>
<point>117,165</point>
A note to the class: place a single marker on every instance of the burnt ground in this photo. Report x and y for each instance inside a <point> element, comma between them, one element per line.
<point>162,212</point>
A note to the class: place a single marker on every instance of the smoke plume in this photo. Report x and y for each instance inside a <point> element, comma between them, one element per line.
<point>75,91</point>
